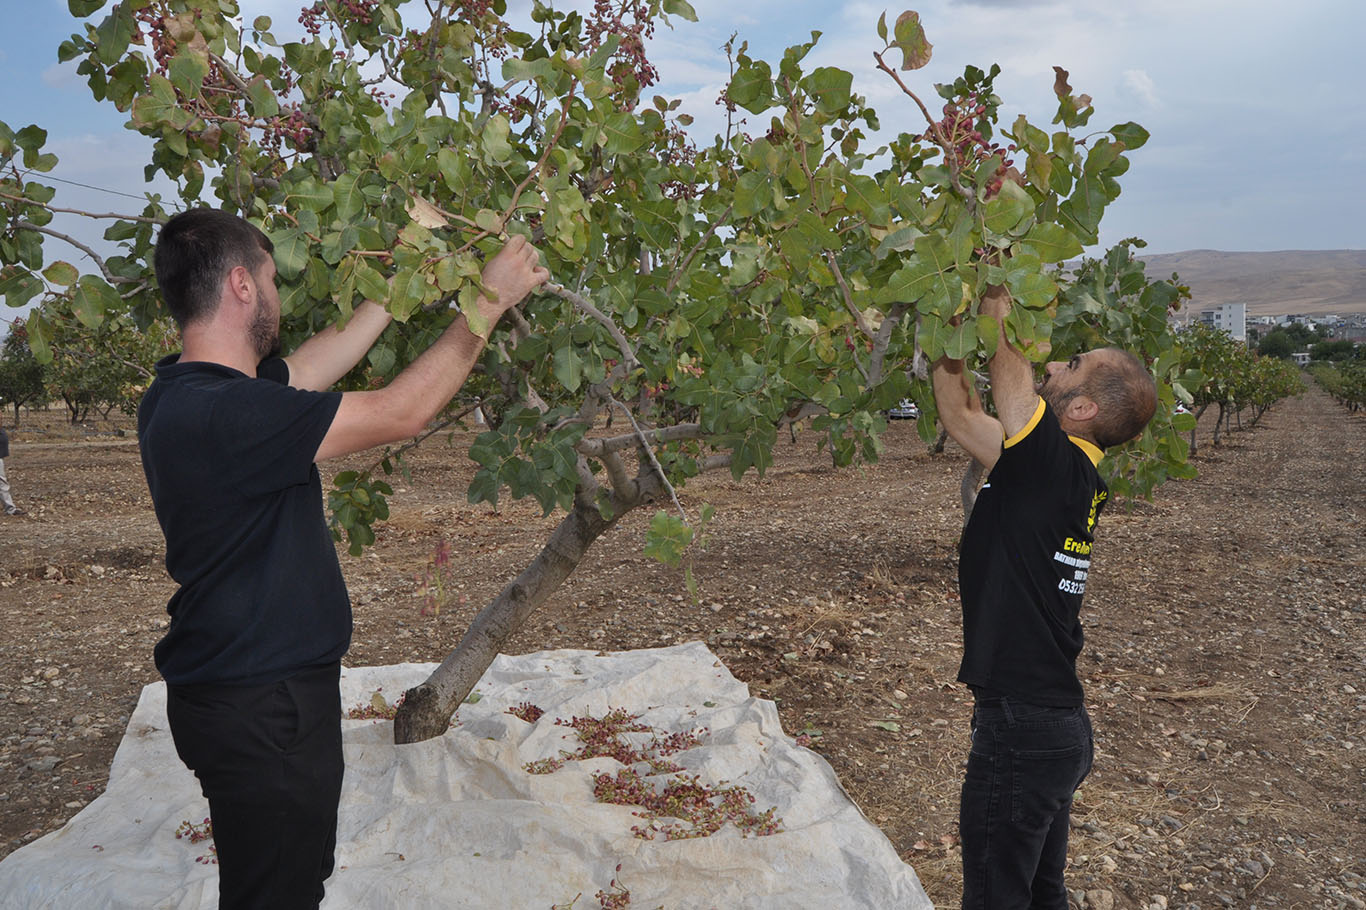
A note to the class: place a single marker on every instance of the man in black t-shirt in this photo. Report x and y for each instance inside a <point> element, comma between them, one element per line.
<point>1025,555</point>
<point>230,434</point>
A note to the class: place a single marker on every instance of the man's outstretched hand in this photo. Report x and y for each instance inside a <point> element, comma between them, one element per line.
<point>513,273</point>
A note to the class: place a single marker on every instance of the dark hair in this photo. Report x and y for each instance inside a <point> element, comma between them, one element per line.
<point>1126,396</point>
<point>195,251</point>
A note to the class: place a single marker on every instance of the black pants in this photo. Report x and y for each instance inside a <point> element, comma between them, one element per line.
<point>269,761</point>
<point>1026,762</point>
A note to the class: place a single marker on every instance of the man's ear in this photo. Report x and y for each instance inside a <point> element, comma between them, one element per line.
<point>242,285</point>
<point>1082,408</point>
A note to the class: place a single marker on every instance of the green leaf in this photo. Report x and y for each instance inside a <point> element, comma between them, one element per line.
<point>84,8</point>
<point>752,87</point>
<point>1131,134</point>
<point>910,38</point>
<point>493,139</point>
<point>291,252</point>
<point>370,282</point>
<point>114,34</point>
<point>188,71</point>
<point>18,285</point>
<point>867,198</point>
<point>264,104</point>
<point>680,8</point>
<point>1010,207</point>
<point>93,299</point>
<point>667,538</point>
<point>347,196</point>
<point>517,70</point>
<point>622,134</point>
<point>157,106</point>
<point>753,193</point>
<point>568,367</point>
<point>1051,242</point>
<point>40,334</point>
<point>311,194</point>
<point>62,273</point>
<point>831,87</point>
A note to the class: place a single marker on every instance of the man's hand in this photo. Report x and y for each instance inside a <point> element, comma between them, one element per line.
<point>513,273</point>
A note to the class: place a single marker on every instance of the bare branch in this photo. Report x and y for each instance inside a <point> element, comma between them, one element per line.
<point>104,269</point>
<point>232,75</point>
<point>596,448</point>
<point>848,297</point>
<point>627,353</point>
<point>53,208</point>
<point>654,462</point>
<point>882,339</point>
<point>940,139</point>
<point>687,260</point>
<point>616,471</point>
<point>713,462</point>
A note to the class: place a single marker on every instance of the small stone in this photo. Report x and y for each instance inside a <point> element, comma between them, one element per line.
<point>1100,899</point>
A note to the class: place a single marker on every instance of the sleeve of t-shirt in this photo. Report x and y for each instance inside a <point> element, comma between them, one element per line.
<point>272,431</point>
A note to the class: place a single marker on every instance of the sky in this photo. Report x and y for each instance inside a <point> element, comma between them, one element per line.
<point>1258,130</point>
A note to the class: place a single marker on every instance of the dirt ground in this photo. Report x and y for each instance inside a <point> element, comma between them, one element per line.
<point>1224,664</point>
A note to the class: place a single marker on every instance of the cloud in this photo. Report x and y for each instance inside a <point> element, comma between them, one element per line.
<point>1139,84</point>
<point>61,75</point>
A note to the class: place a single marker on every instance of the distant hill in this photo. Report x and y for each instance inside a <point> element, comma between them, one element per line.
<point>1271,284</point>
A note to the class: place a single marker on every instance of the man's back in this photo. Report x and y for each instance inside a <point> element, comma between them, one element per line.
<point>228,460</point>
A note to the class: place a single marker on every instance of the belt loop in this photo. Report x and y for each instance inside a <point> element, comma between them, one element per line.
<point>1005,707</point>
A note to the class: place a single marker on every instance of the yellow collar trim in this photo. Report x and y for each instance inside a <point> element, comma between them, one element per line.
<point>1093,451</point>
<point>1027,428</point>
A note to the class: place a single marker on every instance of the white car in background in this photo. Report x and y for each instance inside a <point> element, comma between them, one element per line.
<point>905,409</point>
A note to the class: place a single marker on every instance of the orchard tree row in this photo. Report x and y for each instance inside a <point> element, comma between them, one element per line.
<point>1230,376</point>
<point>95,370</point>
<point>708,294</point>
<point>1346,381</point>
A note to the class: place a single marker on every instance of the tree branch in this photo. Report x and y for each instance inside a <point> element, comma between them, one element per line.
<point>882,339</point>
<point>584,304</point>
<point>104,269</point>
<point>52,208</point>
<point>599,446</point>
<point>687,260</point>
<point>654,462</point>
<point>848,297</point>
<point>950,158</point>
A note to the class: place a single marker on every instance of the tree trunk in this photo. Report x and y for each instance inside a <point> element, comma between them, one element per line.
<point>427,709</point>
<point>1219,422</point>
<point>1198,414</point>
<point>972,481</point>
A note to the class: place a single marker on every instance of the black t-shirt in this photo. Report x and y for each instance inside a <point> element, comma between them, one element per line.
<point>229,462</point>
<point>1025,555</point>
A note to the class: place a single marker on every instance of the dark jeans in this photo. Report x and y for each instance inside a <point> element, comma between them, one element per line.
<point>269,760</point>
<point>1026,762</point>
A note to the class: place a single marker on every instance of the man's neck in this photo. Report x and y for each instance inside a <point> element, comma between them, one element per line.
<point>207,346</point>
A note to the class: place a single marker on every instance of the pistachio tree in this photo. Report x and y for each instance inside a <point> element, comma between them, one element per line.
<point>706,295</point>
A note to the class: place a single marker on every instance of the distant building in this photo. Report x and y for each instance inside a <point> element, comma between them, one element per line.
<point>1301,358</point>
<point>1228,317</point>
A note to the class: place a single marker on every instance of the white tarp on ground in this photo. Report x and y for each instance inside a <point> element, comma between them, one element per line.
<point>457,822</point>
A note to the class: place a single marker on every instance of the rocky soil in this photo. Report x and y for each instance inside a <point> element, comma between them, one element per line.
<point>1225,664</point>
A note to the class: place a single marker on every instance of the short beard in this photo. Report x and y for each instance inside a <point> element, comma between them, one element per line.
<point>264,331</point>
<point>1058,401</point>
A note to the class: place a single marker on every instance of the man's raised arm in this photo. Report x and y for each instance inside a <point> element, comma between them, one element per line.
<point>402,408</point>
<point>320,361</point>
<point>1012,378</point>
